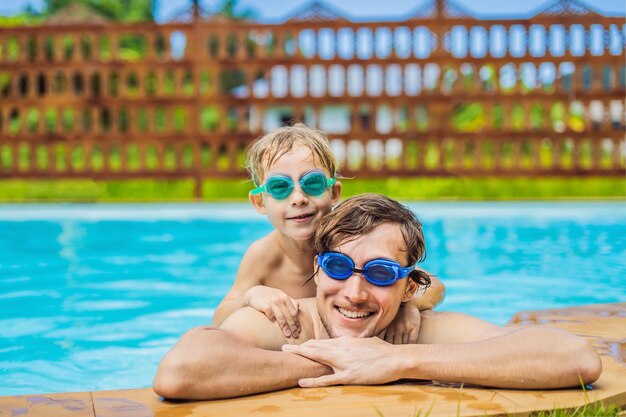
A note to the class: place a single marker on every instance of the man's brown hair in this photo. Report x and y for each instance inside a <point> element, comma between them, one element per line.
<point>359,215</point>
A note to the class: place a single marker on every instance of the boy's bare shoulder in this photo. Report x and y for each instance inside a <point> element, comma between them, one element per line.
<point>264,251</point>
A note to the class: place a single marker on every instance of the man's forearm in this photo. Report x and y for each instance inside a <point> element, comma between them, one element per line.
<point>209,363</point>
<point>544,358</point>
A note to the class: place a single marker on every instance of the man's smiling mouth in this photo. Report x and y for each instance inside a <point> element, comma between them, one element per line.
<point>353,314</point>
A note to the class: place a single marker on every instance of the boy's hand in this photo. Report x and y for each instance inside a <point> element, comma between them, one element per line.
<point>277,306</point>
<point>432,297</point>
<point>405,327</point>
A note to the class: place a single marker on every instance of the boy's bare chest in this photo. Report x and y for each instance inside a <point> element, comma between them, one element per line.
<point>294,283</point>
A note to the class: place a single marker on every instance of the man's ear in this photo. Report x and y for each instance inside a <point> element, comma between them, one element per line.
<point>409,291</point>
<point>336,192</point>
<point>257,202</point>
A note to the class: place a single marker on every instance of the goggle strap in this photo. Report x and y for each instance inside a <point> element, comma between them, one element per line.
<point>258,190</point>
<point>406,271</point>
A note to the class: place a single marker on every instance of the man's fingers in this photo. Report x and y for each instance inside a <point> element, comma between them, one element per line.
<point>389,335</point>
<point>322,381</point>
<point>308,351</point>
<point>397,339</point>
<point>414,335</point>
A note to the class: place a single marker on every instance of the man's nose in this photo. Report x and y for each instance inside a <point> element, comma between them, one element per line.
<point>299,197</point>
<point>356,288</point>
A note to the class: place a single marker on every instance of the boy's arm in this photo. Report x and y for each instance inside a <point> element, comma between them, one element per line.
<point>242,357</point>
<point>249,274</point>
<point>459,348</point>
<point>248,290</point>
<point>430,298</point>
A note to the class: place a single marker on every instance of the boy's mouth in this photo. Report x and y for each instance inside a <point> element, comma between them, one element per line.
<point>301,216</point>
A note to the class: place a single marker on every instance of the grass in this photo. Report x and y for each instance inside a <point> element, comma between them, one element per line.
<point>588,410</point>
<point>87,190</point>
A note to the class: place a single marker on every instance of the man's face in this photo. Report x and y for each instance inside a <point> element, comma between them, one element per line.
<point>354,307</point>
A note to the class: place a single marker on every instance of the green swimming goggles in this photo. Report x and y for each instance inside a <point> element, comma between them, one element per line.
<point>313,183</point>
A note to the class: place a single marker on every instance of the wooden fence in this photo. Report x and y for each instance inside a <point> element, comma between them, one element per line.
<point>439,93</point>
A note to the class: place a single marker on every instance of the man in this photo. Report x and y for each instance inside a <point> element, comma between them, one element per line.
<point>365,270</point>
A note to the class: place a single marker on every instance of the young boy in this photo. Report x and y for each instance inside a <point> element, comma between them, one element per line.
<point>298,173</point>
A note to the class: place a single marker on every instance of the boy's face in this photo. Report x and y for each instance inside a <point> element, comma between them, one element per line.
<point>298,215</point>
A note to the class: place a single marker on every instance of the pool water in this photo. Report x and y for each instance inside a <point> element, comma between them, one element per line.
<point>92,296</point>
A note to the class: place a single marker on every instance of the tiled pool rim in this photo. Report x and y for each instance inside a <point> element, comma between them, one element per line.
<point>604,325</point>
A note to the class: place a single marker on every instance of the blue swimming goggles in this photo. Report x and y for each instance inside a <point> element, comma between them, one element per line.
<point>313,183</point>
<point>380,272</point>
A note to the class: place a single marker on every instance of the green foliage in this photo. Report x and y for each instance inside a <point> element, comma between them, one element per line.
<point>90,190</point>
<point>230,79</point>
<point>469,117</point>
<point>132,48</point>
<point>490,188</point>
<point>231,10</point>
<point>18,20</point>
<point>237,189</point>
<point>115,10</point>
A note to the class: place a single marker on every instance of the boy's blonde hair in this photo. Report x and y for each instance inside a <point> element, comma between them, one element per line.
<point>264,151</point>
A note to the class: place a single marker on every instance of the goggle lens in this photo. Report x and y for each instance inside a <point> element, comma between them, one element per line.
<point>337,267</point>
<point>280,187</point>
<point>313,183</point>
<point>379,272</point>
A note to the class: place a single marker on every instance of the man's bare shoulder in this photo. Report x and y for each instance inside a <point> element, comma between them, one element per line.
<point>449,327</point>
<point>253,327</point>
<point>312,326</point>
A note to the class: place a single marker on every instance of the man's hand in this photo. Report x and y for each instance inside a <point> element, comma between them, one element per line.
<point>405,327</point>
<point>360,361</point>
<point>277,306</point>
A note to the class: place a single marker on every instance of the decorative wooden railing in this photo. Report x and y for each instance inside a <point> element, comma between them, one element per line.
<point>440,93</point>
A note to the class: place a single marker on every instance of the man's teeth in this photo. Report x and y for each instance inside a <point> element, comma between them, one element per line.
<point>353,314</point>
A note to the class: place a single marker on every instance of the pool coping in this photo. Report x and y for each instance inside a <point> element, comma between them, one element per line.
<point>604,325</point>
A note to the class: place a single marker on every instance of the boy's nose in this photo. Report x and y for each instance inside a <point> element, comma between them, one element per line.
<point>299,197</point>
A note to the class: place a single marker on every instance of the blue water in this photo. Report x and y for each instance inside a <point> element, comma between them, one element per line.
<point>92,296</point>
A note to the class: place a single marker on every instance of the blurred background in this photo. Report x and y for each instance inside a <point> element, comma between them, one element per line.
<point>140,100</point>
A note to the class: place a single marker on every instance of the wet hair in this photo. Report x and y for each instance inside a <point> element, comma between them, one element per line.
<point>266,150</point>
<point>359,215</point>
